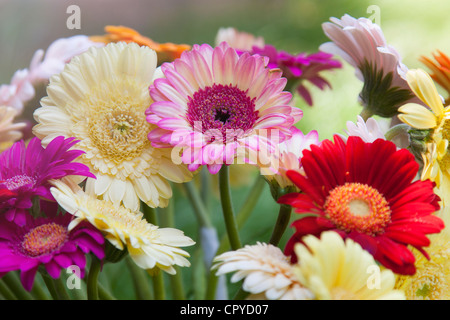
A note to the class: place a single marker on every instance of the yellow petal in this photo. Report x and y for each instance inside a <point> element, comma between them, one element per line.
<point>423,86</point>
<point>417,116</point>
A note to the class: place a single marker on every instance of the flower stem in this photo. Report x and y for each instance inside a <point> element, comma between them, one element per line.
<point>140,281</point>
<point>158,278</point>
<point>60,289</point>
<point>5,292</point>
<point>176,280</point>
<point>92,280</point>
<point>366,113</point>
<point>242,216</point>
<point>104,294</point>
<point>38,292</point>
<point>158,286</point>
<point>49,283</point>
<point>14,284</point>
<point>227,208</point>
<point>284,215</point>
<point>199,208</point>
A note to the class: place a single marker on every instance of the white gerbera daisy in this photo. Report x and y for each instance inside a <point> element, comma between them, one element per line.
<point>266,270</point>
<point>148,245</point>
<point>100,98</point>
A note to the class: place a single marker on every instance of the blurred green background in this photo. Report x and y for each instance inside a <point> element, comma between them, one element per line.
<point>414,28</point>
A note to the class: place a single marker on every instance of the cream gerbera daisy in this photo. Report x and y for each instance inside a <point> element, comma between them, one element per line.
<point>266,271</point>
<point>10,131</point>
<point>336,270</point>
<point>100,99</point>
<point>150,247</point>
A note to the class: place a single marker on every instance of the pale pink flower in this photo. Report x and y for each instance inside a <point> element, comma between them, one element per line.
<point>214,104</point>
<point>239,40</point>
<point>19,91</point>
<point>58,54</point>
<point>288,156</point>
<point>362,44</point>
<point>368,130</point>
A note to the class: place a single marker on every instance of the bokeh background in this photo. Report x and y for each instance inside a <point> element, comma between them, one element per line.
<point>414,28</point>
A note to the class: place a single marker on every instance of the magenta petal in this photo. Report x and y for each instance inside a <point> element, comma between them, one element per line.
<point>27,278</point>
<point>53,269</point>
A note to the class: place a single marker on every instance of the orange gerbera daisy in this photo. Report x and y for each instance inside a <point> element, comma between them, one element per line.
<point>440,69</point>
<point>166,51</point>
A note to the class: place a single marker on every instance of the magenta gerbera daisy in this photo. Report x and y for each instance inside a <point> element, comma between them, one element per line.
<point>300,68</point>
<point>365,191</point>
<point>47,242</point>
<point>213,103</point>
<point>25,171</point>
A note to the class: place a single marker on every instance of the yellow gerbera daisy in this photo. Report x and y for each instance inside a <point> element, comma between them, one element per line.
<point>100,98</point>
<point>336,270</point>
<point>432,278</point>
<point>435,119</point>
<point>150,247</point>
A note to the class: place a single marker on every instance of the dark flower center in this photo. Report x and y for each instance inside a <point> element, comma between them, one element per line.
<point>223,112</point>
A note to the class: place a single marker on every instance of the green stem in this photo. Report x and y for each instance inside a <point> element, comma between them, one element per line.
<point>60,289</point>
<point>251,200</point>
<point>158,286</point>
<point>6,292</point>
<point>366,113</point>
<point>158,278</point>
<point>140,280</point>
<point>92,280</point>
<point>38,292</point>
<point>205,178</point>
<point>284,215</point>
<point>149,213</point>
<point>199,208</point>
<point>50,285</point>
<point>249,204</point>
<point>176,281</point>
<point>12,281</point>
<point>227,208</point>
<point>104,294</point>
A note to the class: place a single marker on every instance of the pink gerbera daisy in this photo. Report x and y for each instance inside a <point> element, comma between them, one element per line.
<point>214,104</point>
<point>48,242</point>
<point>25,171</point>
<point>300,68</point>
<point>365,191</point>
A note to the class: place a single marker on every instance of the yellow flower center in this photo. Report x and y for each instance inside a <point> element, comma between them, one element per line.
<point>358,207</point>
<point>120,132</point>
<point>446,129</point>
<point>44,239</point>
<point>119,220</point>
<point>432,278</point>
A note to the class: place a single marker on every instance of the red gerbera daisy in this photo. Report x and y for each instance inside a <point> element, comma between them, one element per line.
<point>365,191</point>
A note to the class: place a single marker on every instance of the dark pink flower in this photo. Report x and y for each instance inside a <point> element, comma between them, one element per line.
<point>26,172</point>
<point>300,68</point>
<point>48,242</point>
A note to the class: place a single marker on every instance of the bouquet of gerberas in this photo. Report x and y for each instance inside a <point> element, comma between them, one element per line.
<point>126,120</point>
